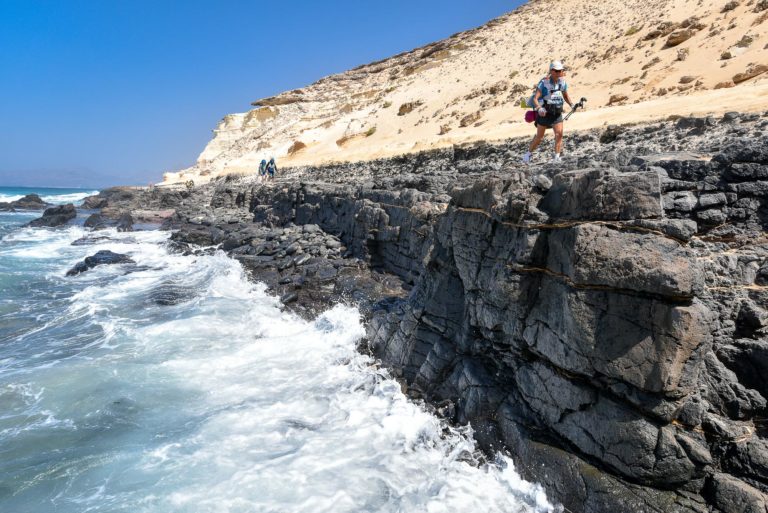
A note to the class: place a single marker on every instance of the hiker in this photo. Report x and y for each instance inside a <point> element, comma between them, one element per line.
<point>263,168</point>
<point>271,167</point>
<point>551,93</point>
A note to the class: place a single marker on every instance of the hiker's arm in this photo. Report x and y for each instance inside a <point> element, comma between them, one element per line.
<point>536,98</point>
<point>567,99</point>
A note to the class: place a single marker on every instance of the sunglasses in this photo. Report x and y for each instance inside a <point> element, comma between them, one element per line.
<point>558,70</point>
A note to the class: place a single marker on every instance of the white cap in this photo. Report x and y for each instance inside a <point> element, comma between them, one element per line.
<point>556,65</point>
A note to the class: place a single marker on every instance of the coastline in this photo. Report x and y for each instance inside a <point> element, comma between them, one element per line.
<point>541,303</point>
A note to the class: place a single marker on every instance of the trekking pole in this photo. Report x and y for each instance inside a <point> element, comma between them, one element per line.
<point>579,105</point>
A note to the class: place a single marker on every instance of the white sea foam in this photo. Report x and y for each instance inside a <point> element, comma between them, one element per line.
<point>56,199</point>
<point>73,197</point>
<point>222,402</point>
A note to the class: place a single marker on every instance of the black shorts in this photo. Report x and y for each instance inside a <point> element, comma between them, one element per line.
<point>550,120</point>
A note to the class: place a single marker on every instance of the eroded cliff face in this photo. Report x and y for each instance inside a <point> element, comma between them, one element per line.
<point>604,319</point>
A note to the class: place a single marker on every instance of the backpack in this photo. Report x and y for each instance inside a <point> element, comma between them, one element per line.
<point>528,104</point>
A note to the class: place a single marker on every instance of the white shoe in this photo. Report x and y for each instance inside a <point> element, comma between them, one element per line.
<point>527,157</point>
<point>557,158</point>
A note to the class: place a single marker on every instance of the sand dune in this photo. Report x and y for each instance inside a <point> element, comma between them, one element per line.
<point>633,62</point>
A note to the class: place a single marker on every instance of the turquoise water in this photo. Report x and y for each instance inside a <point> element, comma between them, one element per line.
<point>221,402</point>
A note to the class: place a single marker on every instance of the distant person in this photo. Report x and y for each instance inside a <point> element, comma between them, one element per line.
<point>263,168</point>
<point>271,167</point>
<point>551,94</point>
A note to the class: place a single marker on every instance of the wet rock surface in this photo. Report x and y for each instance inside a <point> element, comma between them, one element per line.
<point>55,216</point>
<point>605,319</point>
<point>28,202</point>
<point>104,257</point>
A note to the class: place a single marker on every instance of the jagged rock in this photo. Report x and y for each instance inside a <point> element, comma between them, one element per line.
<point>95,222</point>
<point>751,72</point>
<point>125,223</point>
<point>679,36</point>
<point>617,99</point>
<point>28,202</point>
<point>103,257</point>
<point>611,134</point>
<point>542,182</point>
<point>749,360</point>
<point>600,257</point>
<point>55,216</point>
<point>604,194</point>
<point>731,494</point>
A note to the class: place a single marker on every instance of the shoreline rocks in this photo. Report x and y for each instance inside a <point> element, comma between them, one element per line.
<point>28,202</point>
<point>55,216</point>
<point>604,320</point>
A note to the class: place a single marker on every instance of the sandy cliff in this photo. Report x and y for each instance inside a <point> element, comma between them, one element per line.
<point>634,62</point>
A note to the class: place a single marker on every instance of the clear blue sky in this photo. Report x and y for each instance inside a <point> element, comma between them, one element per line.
<point>105,92</point>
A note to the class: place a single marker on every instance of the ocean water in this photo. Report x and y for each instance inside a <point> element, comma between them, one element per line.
<point>51,195</point>
<point>175,385</point>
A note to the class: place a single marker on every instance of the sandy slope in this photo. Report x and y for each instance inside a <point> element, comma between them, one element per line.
<point>634,62</point>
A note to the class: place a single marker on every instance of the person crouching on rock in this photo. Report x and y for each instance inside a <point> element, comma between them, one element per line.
<point>271,167</point>
<point>551,94</point>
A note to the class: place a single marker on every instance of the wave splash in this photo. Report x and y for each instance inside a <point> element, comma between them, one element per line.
<point>49,195</point>
<point>220,402</point>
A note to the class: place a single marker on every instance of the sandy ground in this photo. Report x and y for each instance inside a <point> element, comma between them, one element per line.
<point>633,62</point>
<point>706,103</point>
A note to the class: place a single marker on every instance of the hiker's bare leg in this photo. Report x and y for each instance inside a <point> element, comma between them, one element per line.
<point>558,128</point>
<point>540,130</point>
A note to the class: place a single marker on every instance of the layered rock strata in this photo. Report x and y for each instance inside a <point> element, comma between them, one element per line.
<point>603,320</point>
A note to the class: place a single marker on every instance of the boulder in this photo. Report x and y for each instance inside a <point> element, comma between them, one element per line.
<point>29,202</point>
<point>125,223</point>
<point>604,194</point>
<point>597,256</point>
<point>750,72</point>
<point>95,222</point>
<point>679,36</point>
<point>55,216</point>
<point>731,494</point>
<point>103,257</point>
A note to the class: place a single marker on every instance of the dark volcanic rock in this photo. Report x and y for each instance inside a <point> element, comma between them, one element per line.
<point>29,202</point>
<point>95,222</point>
<point>125,223</point>
<point>89,240</point>
<point>604,319</point>
<point>169,293</point>
<point>103,257</point>
<point>55,216</point>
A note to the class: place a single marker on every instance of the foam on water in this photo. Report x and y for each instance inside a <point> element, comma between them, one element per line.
<point>47,194</point>
<point>222,402</point>
<point>74,197</point>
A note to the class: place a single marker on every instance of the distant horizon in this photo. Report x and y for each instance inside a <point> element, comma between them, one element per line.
<point>114,93</point>
<point>47,187</point>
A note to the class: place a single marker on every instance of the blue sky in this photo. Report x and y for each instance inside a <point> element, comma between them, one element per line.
<point>104,92</point>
